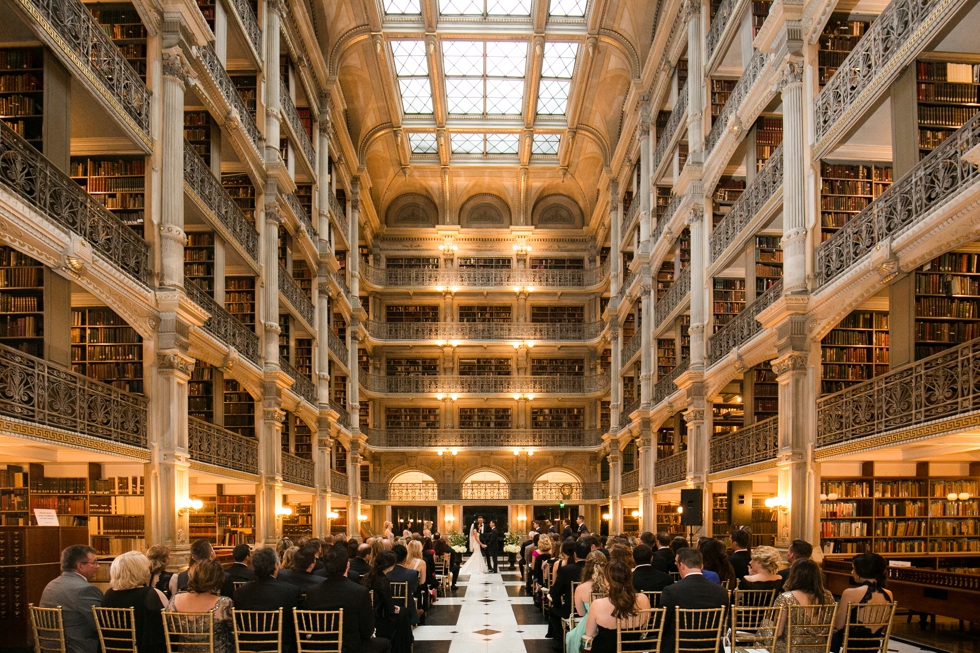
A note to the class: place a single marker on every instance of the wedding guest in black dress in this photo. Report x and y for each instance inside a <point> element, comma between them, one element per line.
<point>390,621</point>
<point>622,603</point>
<point>129,587</point>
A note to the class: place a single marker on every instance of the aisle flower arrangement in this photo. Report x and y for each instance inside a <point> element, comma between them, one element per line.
<point>457,541</point>
<point>512,543</point>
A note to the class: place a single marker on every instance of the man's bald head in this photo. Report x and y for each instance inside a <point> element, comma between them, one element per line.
<point>363,551</point>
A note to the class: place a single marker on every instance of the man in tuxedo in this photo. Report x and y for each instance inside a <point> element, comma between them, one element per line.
<point>338,592</point>
<point>582,529</point>
<point>402,575</point>
<point>663,557</point>
<point>567,532</point>
<point>359,564</point>
<point>266,592</point>
<point>493,547</point>
<point>301,575</point>
<point>693,592</point>
<point>562,601</point>
<point>741,537</point>
<point>239,571</point>
<point>798,550</point>
<point>645,577</point>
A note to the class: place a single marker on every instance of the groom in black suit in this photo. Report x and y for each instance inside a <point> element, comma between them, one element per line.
<point>493,547</point>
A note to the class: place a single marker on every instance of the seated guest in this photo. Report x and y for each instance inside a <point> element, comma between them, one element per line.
<point>286,559</point>
<point>129,578</point>
<point>692,592</point>
<point>281,546</point>
<point>301,575</point>
<point>798,550</point>
<point>359,564</point>
<point>619,552</point>
<point>337,592</point>
<point>762,567</point>
<point>741,537</point>
<point>663,555</point>
<point>561,590</point>
<point>645,577</point>
<point>201,550</point>
<point>621,605</point>
<point>717,569</point>
<point>238,571</point>
<point>566,552</point>
<point>868,571</point>
<point>402,575</point>
<point>593,581</point>
<point>390,621</point>
<point>159,557</point>
<point>73,591</point>
<point>540,558</point>
<point>204,595</point>
<point>267,592</point>
<point>803,587</point>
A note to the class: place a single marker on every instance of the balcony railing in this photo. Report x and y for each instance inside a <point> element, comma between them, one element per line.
<point>341,279</point>
<point>665,386</point>
<point>896,36</point>
<point>296,470</point>
<point>338,348</point>
<point>228,91</point>
<point>743,327</point>
<point>224,326</point>
<point>723,15</point>
<point>484,384</point>
<point>757,443</point>
<point>446,331</point>
<point>631,482</point>
<point>742,88</point>
<point>481,491</point>
<point>632,406</point>
<point>631,214</point>
<point>939,387</point>
<point>632,346</point>
<point>763,188</point>
<point>934,180</point>
<point>216,446</point>
<point>251,26</point>
<point>296,125</point>
<point>672,469</point>
<point>35,391</point>
<point>484,438</point>
<point>444,277</point>
<point>668,215</point>
<point>628,276</point>
<point>296,296</point>
<point>674,295</point>
<point>84,41</point>
<point>301,215</point>
<point>35,180</point>
<point>302,384</point>
<point>677,120</point>
<point>339,214</point>
<point>202,182</point>
<point>339,483</point>
<point>344,419</point>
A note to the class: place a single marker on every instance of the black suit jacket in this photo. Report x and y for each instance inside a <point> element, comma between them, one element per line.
<point>493,541</point>
<point>561,588</point>
<point>567,533</point>
<point>740,563</point>
<point>784,574</point>
<point>693,592</point>
<point>648,579</point>
<point>271,594</point>
<point>358,568</point>
<point>402,575</point>
<point>303,580</point>
<point>354,600</point>
<point>666,560</point>
<point>237,572</point>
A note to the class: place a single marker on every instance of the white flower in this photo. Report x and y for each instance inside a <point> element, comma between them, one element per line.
<point>459,549</point>
<point>512,548</point>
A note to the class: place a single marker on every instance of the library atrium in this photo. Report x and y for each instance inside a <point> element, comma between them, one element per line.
<point>293,268</point>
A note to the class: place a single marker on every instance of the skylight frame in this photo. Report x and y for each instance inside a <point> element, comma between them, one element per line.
<point>423,143</point>
<point>501,67</point>
<point>568,8</point>
<point>402,7</point>
<point>412,75</point>
<point>557,70</point>
<point>485,8</point>
<point>545,144</point>
<point>484,144</point>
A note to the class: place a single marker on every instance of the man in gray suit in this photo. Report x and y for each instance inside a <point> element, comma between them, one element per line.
<point>73,591</point>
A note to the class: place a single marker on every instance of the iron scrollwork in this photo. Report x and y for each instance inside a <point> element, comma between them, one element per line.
<point>339,214</point>
<point>224,326</point>
<point>743,326</point>
<point>296,470</point>
<point>296,296</point>
<point>676,122</point>
<point>742,88</point>
<point>674,295</point>
<point>664,219</point>
<point>301,215</point>
<point>633,346</point>
<point>296,125</point>
<point>671,469</point>
<point>764,187</point>
<point>217,446</point>
<point>630,482</point>
<point>723,14</point>
<point>228,91</point>
<point>339,484</point>
<point>249,22</point>
<point>665,386</point>
<point>302,384</point>
<point>338,348</point>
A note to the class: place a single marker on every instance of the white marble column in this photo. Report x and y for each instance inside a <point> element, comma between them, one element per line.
<point>615,371</point>
<point>695,222</point>
<point>172,237</point>
<point>615,224</point>
<point>644,190</point>
<point>646,457</point>
<point>615,488</point>
<point>794,180</point>
<point>354,481</point>
<point>696,82</point>
<point>794,458</point>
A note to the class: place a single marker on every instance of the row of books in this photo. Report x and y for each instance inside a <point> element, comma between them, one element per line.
<point>942,71</point>
<point>12,478</point>
<point>64,505</point>
<point>838,509</point>
<point>80,335</point>
<point>856,355</point>
<point>116,546</point>
<point>121,200</point>
<point>14,502</point>
<point>96,317</point>
<point>843,203</point>
<point>118,485</point>
<point>53,485</point>
<point>953,528</point>
<point>955,508</point>
<point>114,371</point>
<point>944,284</point>
<point>117,525</point>
<point>931,139</point>
<point>952,332</point>
<point>946,307</point>
<point>20,106</point>
<point>945,116</point>
<point>954,262</point>
<point>23,82</point>
<point>94,353</point>
<point>114,184</point>
<point>855,338</point>
<point>829,529</point>
<point>852,171</point>
<point>21,59</point>
<point>901,509</point>
<point>24,326</point>
<point>900,528</point>
<point>107,168</point>
<point>945,93</point>
<point>846,187</point>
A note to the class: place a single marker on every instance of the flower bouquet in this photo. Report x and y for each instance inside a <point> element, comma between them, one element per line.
<point>457,541</point>
<point>512,543</point>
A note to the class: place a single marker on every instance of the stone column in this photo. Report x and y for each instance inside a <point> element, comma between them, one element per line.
<point>645,461</point>
<point>321,459</point>
<point>696,82</point>
<point>794,180</point>
<point>645,172</point>
<point>615,371</point>
<point>323,184</point>
<point>646,348</point>
<point>172,238</point>
<point>697,438</point>
<point>522,296</point>
<point>354,481</point>
<point>447,306</point>
<point>695,222</point>
<point>615,488</point>
<point>272,82</point>
<point>322,343</point>
<point>353,265</point>
<point>797,429</point>
<point>615,222</point>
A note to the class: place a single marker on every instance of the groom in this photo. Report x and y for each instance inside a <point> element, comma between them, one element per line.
<point>492,548</point>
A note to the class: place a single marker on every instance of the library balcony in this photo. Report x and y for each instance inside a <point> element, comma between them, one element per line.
<point>743,327</point>
<point>72,409</point>
<point>504,332</point>
<point>296,299</point>
<point>295,128</point>
<point>438,279</point>
<point>673,132</point>
<point>214,448</point>
<point>630,482</point>
<point>631,219</point>
<point>339,483</point>
<point>340,278</point>
<point>724,26</point>
<point>629,408</point>
<point>629,276</point>
<point>670,470</point>
<point>226,330</point>
<point>303,226</point>
<point>665,218</point>
<point>302,386</point>
<point>631,348</point>
<point>340,217</point>
<point>747,450</point>
<point>492,385</point>
<point>248,25</point>
<point>484,491</point>
<point>674,300</point>
<point>297,471</point>
<point>338,349</point>
<point>665,386</point>
<point>343,415</point>
<point>483,438</point>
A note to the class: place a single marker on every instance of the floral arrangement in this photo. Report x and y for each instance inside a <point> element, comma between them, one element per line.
<point>512,543</point>
<point>457,541</point>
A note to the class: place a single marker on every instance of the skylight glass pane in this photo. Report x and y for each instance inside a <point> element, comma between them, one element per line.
<point>553,97</point>
<point>464,95</point>
<point>559,60</point>
<point>403,6</point>
<point>545,144</point>
<point>467,143</point>
<point>509,7</point>
<point>506,58</point>
<point>502,143</point>
<point>410,59</point>
<point>462,58</point>
<point>423,143</point>
<point>416,94</point>
<point>575,8</point>
<point>505,96</point>
<point>461,7</point>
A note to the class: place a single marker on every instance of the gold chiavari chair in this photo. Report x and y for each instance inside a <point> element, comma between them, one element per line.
<point>545,587</point>
<point>573,618</point>
<point>399,594</point>
<point>189,632</point>
<point>319,631</point>
<point>753,598</point>
<point>654,598</point>
<point>698,631</point>
<point>116,628</point>
<point>237,583</point>
<point>49,629</point>
<point>641,634</point>
<point>443,577</point>
<point>809,628</point>
<point>258,631</point>
<point>868,627</point>
<point>754,627</point>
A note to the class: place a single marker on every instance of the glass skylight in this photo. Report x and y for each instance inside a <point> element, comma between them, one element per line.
<point>557,67</point>
<point>485,7</point>
<point>463,143</point>
<point>423,143</point>
<point>467,143</point>
<point>545,144</point>
<point>403,6</point>
<point>502,143</point>
<point>412,70</point>
<point>573,8</point>
<point>485,77</point>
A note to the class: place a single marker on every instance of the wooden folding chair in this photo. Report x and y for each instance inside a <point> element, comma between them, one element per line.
<point>754,627</point>
<point>319,631</point>
<point>753,598</point>
<point>399,595</point>
<point>545,587</point>
<point>698,631</point>
<point>116,628</point>
<point>868,627</point>
<point>809,628</point>
<point>642,633</point>
<point>654,598</point>
<point>258,631</point>
<point>189,632</point>
<point>49,629</point>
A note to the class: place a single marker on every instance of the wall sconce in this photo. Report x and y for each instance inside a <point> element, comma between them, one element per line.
<point>333,514</point>
<point>524,289</point>
<point>454,397</point>
<point>449,246</point>
<point>529,452</point>
<point>523,343</point>
<point>449,519</point>
<point>283,511</point>
<point>188,505</point>
<point>362,518</point>
<point>522,518</point>
<point>953,496</point>
<point>454,452</point>
<point>442,452</point>
<point>522,248</point>
<point>680,510</point>
<point>522,396</point>
<point>606,516</point>
<point>776,503</point>
<point>635,514</point>
<point>440,396</point>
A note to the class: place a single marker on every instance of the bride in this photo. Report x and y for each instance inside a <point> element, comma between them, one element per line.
<point>477,564</point>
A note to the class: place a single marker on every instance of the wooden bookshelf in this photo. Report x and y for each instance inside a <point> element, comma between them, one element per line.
<point>721,90</point>
<point>284,245</point>
<point>486,313</point>
<point>297,438</point>
<point>105,348</point>
<point>197,132</point>
<point>240,299</point>
<point>21,302</point>
<point>685,327</point>
<point>604,362</point>
<point>363,358</point>
<point>666,356</point>
<point>200,392</point>
<point>411,417</point>
<point>726,194</point>
<point>727,416</point>
<point>840,35</point>
<point>684,248</point>
<point>339,383</point>
<point>846,189</point>
<point>558,418</point>
<point>239,409</point>
<point>303,356</point>
<point>557,367</point>
<point>411,263</point>
<point>199,261</point>
<point>207,8</point>
<point>728,300</point>
<point>854,351</point>
<point>247,87</point>
<point>605,414</point>
<point>117,510</point>
<point>303,277</point>
<point>22,93</point>
<point>203,523</point>
<point>300,523</point>
<point>124,26</point>
<point>665,278</point>
<point>14,495</point>
<point>948,94</point>
<point>118,183</point>
<point>629,326</point>
<point>668,519</point>
<point>548,314</point>
<point>760,10</point>
<point>768,136</point>
<point>665,441</point>
<point>662,200</point>
<point>340,326</point>
<point>304,193</point>
<point>485,366</point>
<point>284,340</point>
<point>768,263</point>
<point>629,389</point>
<point>413,366</point>
<point>553,263</point>
<point>483,263</point>
<point>236,519</point>
<point>762,525</point>
<point>486,418</point>
<point>401,313</point>
<point>765,392</point>
<point>681,69</point>
<point>947,302</point>
<point>240,187</point>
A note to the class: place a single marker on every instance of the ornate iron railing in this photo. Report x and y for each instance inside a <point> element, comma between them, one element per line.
<point>296,470</point>
<point>628,276</point>
<point>400,491</point>
<point>484,384</point>
<point>302,384</point>
<point>344,419</point>
<point>296,125</point>
<point>631,214</point>
<point>252,31</point>
<point>753,444</point>
<point>665,386</point>
<point>220,447</point>
<point>914,575</point>
<point>339,214</point>
<point>941,386</point>
<point>742,88</point>
<point>763,188</point>
<point>743,327</point>
<point>941,175</point>
<point>83,40</point>
<point>339,483</point>
<point>483,490</point>
<point>416,277</point>
<point>632,346</point>
<point>301,215</point>
<point>202,182</point>
<point>671,469</point>
<point>338,348</point>
<point>723,14</point>
<point>445,331</point>
<point>35,391</point>
<point>677,120</point>
<point>674,295</point>
<point>27,174</point>
<point>898,32</point>
<point>630,482</point>
<point>546,491</point>
<point>630,407</point>
<point>486,438</point>
<point>224,326</point>
<point>341,279</point>
<point>228,91</point>
<point>296,296</point>
<point>668,215</point>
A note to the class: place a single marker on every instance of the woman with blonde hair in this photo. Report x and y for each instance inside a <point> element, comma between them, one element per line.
<point>129,587</point>
<point>540,557</point>
<point>287,557</point>
<point>593,582</point>
<point>763,566</point>
<point>414,560</point>
<point>159,557</point>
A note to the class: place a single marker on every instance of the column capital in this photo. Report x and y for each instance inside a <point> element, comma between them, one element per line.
<point>792,74</point>
<point>272,214</point>
<point>175,362</point>
<point>692,9</point>
<point>695,216</point>
<point>176,66</point>
<point>694,415</point>
<point>792,362</point>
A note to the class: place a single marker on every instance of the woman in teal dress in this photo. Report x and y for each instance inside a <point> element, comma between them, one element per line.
<point>593,581</point>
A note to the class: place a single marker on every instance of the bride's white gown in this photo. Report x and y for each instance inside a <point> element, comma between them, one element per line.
<point>477,564</point>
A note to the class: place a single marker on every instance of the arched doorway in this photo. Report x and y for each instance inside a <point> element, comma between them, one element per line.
<point>554,493</point>
<point>420,489</point>
<point>491,489</point>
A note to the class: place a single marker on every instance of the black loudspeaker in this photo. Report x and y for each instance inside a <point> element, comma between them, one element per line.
<point>691,502</point>
<point>739,503</point>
